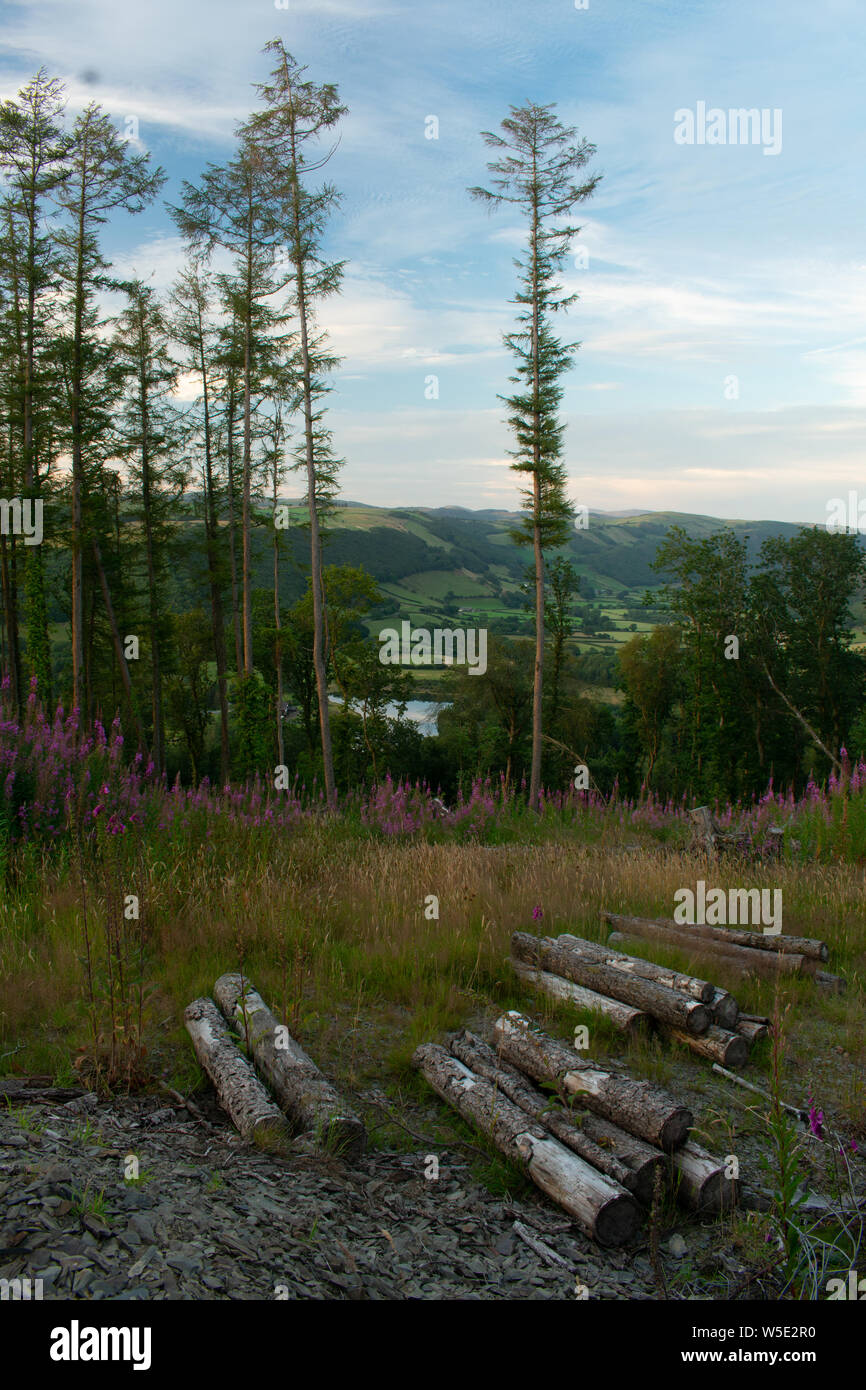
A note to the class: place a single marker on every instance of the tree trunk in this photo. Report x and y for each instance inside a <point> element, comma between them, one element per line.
<point>247,592</point>
<point>753,1032</point>
<point>538,678</point>
<point>631,1164</point>
<point>798,946</point>
<point>701,1184</point>
<point>320,654</point>
<point>152,589</point>
<point>602,1209</point>
<point>316,580</point>
<point>642,1160</point>
<point>667,1005</point>
<point>78,454</point>
<point>240,1093</point>
<point>278,646</point>
<point>718,1044</point>
<point>233,558</point>
<point>622,1016</point>
<point>834,983</point>
<point>701,990</point>
<point>636,1106</point>
<point>724,1008</point>
<point>10,606</point>
<point>118,645</point>
<point>211,537</point>
<point>310,1101</point>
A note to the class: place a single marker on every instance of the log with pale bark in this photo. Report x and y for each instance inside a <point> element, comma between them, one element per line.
<point>723,1006</point>
<point>758,941</point>
<point>630,1163</point>
<point>636,1106</point>
<point>731,1049</point>
<point>310,1101</point>
<point>603,1209</point>
<point>743,959</point>
<point>622,1016</point>
<point>752,1032</point>
<point>701,1184</point>
<point>662,1003</point>
<point>701,990</point>
<point>643,1160</point>
<point>239,1091</point>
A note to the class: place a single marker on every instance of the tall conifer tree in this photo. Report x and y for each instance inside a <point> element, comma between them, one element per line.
<point>539,162</point>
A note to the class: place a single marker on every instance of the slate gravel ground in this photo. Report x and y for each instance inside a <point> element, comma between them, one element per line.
<point>213,1218</point>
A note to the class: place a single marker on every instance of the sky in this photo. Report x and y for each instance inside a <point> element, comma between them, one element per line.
<point>721,278</point>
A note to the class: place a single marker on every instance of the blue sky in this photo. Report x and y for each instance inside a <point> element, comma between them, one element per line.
<point>706,262</point>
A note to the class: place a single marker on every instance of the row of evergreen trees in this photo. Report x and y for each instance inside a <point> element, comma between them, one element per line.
<point>755,676</point>
<point>92,426</point>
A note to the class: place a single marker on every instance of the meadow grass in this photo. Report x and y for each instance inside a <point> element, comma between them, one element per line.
<point>336,930</point>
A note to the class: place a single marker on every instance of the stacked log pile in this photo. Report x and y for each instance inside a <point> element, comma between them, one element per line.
<point>308,1105</point>
<point>634,993</point>
<point>746,952</point>
<point>601,1150</point>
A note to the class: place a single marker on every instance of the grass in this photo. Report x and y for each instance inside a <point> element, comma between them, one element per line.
<point>333,931</point>
<point>330,926</point>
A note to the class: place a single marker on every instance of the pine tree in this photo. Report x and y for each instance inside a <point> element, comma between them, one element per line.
<point>34,161</point>
<point>196,334</point>
<point>236,206</point>
<point>297,115</point>
<point>104,178</point>
<point>539,162</point>
<point>147,437</point>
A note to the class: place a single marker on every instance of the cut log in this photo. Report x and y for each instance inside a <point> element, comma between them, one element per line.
<point>636,1106</point>
<point>744,959</point>
<point>665,1004</point>
<point>25,1090</point>
<point>602,1209</point>
<point>752,1032</point>
<point>701,990</point>
<point>240,1093</point>
<point>835,983</point>
<point>701,1184</point>
<point>482,1060</point>
<point>310,1101</point>
<point>757,941</point>
<point>724,1008</point>
<point>731,1049</point>
<point>642,1159</point>
<point>622,1016</point>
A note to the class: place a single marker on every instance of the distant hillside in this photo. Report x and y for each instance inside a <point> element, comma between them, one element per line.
<point>442,559</point>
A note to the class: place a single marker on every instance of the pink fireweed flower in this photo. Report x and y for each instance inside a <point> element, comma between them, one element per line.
<point>816,1119</point>
<point>537,913</point>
